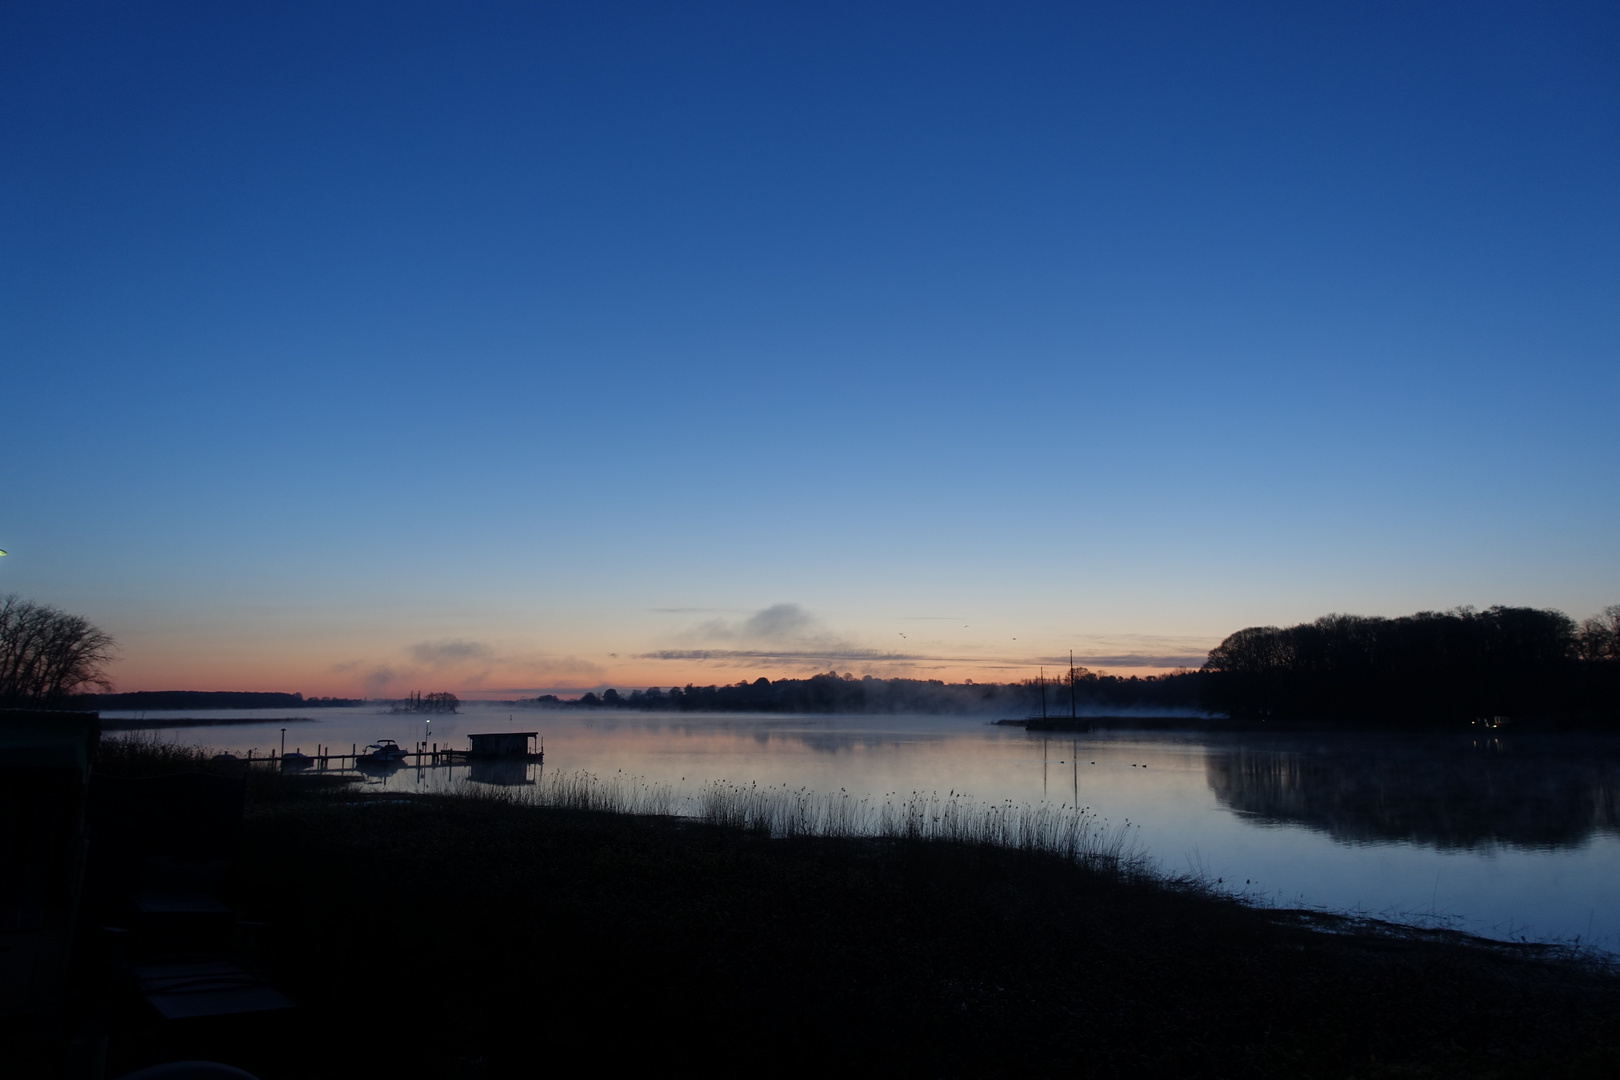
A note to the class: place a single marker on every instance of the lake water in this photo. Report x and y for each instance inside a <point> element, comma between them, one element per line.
<point>1507,837</point>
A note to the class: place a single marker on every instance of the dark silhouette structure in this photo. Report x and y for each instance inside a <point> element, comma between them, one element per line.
<point>160,883</point>
<point>502,744</point>
<point>44,767</point>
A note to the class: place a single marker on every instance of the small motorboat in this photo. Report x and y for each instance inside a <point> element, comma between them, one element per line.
<point>296,760</point>
<point>381,752</point>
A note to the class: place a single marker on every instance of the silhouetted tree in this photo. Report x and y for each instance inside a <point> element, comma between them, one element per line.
<point>1427,668</point>
<point>1600,636</point>
<point>46,654</point>
<point>443,701</point>
<point>1600,655</point>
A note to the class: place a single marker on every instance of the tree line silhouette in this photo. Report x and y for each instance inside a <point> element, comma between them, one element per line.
<point>1430,669</point>
<point>831,692</point>
<point>1427,669</point>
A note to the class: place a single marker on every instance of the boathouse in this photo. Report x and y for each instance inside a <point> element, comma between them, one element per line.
<point>501,744</point>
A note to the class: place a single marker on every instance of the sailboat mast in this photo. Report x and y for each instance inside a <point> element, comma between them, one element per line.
<point>1071,684</point>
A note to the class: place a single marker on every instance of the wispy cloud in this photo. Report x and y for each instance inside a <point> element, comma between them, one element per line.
<point>461,665</point>
<point>570,670</point>
<point>1141,650</point>
<point>792,636</point>
<point>1147,660</point>
<point>779,622</point>
<point>380,679</point>
<point>450,653</point>
<point>784,633</point>
<point>790,656</point>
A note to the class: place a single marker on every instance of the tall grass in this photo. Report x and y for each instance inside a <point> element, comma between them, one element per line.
<point>1071,832</point>
<point>616,794</point>
<point>144,753</point>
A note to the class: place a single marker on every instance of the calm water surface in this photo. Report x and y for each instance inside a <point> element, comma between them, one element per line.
<point>1509,837</point>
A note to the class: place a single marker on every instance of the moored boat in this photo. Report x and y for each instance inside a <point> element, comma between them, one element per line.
<point>381,752</point>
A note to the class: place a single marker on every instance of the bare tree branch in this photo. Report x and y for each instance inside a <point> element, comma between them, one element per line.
<point>46,654</point>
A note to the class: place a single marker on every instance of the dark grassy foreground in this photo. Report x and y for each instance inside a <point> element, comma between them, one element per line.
<point>461,937</point>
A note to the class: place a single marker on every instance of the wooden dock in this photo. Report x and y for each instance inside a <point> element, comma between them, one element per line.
<point>427,756</point>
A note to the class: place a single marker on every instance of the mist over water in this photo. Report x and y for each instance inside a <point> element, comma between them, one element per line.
<point>1502,836</point>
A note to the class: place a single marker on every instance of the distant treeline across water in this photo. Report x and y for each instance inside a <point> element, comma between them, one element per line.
<point>1429,669</point>
<point>158,700</point>
<point>835,693</point>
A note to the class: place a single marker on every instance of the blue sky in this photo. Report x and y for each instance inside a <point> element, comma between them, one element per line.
<point>374,347</point>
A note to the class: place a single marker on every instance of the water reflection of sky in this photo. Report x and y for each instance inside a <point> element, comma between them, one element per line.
<point>1505,837</point>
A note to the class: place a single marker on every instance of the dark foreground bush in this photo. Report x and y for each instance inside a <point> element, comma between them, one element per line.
<point>470,938</point>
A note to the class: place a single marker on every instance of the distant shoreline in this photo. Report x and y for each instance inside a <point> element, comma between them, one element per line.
<point>120,723</point>
<point>1150,723</point>
<point>166,700</point>
<point>1498,727</point>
